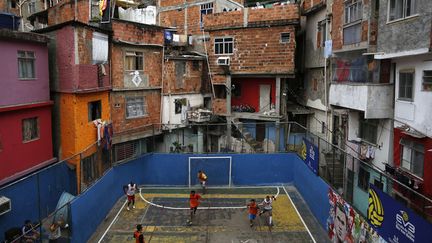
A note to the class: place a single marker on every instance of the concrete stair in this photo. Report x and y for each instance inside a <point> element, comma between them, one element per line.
<point>334,169</point>
<point>247,136</point>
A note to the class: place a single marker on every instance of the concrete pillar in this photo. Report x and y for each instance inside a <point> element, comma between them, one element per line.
<point>228,107</point>
<point>278,95</point>
<point>277,137</point>
<point>200,139</point>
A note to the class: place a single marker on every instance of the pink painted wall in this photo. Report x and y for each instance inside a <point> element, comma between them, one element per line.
<point>250,91</point>
<point>16,155</point>
<point>14,91</point>
<point>71,77</point>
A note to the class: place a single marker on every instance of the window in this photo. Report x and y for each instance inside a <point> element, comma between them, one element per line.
<point>406,81</point>
<point>285,37</point>
<point>26,64</point>
<point>353,11</point>
<point>322,32</point>
<point>205,9</point>
<point>12,4</point>
<point>135,107</point>
<point>99,48</point>
<point>363,179</point>
<point>32,6</point>
<point>353,15</point>
<point>412,157</point>
<point>369,130</point>
<point>224,45</point>
<point>30,129</point>
<point>427,80</point>
<point>178,105</point>
<point>126,150</point>
<point>399,9</point>
<point>195,65</point>
<point>94,110</point>
<point>134,60</point>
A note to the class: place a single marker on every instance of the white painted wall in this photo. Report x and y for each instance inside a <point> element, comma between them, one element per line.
<point>169,116</point>
<point>418,113</point>
<point>374,99</point>
<point>178,135</point>
<point>314,122</point>
<point>384,145</point>
<point>314,57</point>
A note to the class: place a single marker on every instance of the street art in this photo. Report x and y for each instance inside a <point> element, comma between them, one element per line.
<point>344,224</point>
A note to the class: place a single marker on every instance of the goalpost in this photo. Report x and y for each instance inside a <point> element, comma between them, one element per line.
<point>217,168</point>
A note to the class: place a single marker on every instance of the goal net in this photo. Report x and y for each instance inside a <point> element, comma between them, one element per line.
<point>217,169</point>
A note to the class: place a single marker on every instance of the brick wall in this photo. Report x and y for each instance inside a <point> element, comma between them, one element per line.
<point>266,16</point>
<point>337,24</point>
<point>191,80</point>
<point>152,64</point>
<point>121,124</point>
<point>166,3</point>
<point>219,106</point>
<point>135,32</point>
<point>65,11</point>
<point>309,4</point>
<point>256,50</point>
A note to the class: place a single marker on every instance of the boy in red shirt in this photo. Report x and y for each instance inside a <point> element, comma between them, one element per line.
<point>138,235</point>
<point>194,201</point>
<point>202,177</point>
<point>253,211</point>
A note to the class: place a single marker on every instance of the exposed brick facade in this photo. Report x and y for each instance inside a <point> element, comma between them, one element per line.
<point>190,78</point>
<point>219,106</point>
<point>368,25</point>
<point>136,37</point>
<point>256,50</point>
<point>127,126</point>
<point>311,5</point>
<point>65,11</point>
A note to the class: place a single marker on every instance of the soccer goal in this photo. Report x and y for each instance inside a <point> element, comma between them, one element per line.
<point>217,169</point>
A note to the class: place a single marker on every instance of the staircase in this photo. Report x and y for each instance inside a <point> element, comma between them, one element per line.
<point>334,168</point>
<point>247,136</point>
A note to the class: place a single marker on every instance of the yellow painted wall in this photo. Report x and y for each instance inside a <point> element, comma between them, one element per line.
<point>77,132</point>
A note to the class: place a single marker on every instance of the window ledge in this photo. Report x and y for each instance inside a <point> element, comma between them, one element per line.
<point>27,79</point>
<point>352,23</point>
<point>402,19</point>
<point>31,140</point>
<point>137,117</point>
<point>406,101</point>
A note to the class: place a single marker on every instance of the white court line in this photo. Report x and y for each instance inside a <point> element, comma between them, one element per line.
<point>176,208</point>
<point>112,222</point>
<point>301,218</point>
<point>210,187</point>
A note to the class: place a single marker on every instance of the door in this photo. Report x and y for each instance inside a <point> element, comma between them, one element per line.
<point>260,132</point>
<point>264,98</point>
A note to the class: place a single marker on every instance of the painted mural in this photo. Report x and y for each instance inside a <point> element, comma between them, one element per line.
<point>344,224</point>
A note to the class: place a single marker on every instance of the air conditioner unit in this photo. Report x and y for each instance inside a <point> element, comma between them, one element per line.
<point>5,205</point>
<point>223,61</point>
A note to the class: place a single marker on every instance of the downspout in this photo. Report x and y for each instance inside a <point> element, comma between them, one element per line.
<point>162,87</point>
<point>76,9</point>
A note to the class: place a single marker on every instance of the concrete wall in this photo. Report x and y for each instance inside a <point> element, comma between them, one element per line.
<point>405,34</point>
<point>172,169</point>
<point>314,53</point>
<point>23,90</point>
<point>416,113</point>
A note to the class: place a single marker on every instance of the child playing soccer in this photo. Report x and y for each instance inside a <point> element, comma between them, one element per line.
<point>253,210</point>
<point>202,177</point>
<point>194,201</point>
<point>267,203</point>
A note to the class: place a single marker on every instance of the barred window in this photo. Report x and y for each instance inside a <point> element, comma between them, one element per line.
<point>135,107</point>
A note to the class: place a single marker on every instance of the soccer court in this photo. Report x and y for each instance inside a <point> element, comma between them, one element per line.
<point>221,217</point>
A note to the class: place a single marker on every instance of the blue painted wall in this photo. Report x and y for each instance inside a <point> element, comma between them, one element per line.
<point>36,196</point>
<point>172,169</point>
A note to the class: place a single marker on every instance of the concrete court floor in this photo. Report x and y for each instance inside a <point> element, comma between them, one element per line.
<point>210,225</point>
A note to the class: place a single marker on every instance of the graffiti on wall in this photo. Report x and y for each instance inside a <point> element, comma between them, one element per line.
<point>344,224</point>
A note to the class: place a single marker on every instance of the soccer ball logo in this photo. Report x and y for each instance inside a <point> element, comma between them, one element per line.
<point>375,212</point>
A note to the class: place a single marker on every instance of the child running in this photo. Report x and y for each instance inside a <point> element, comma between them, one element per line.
<point>138,235</point>
<point>130,193</point>
<point>194,201</point>
<point>202,177</point>
<point>267,207</point>
<point>253,210</point>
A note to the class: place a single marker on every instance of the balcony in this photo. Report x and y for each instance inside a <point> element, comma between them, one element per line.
<point>199,115</point>
<point>374,99</point>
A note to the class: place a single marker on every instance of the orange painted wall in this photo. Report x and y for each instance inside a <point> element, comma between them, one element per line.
<point>77,133</point>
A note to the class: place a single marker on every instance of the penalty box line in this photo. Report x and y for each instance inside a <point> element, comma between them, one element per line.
<point>184,208</point>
